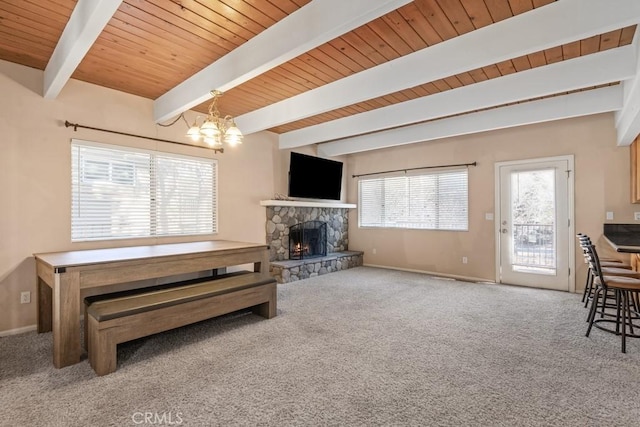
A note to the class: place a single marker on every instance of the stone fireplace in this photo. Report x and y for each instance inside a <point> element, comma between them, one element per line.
<point>287,221</point>
<point>281,218</point>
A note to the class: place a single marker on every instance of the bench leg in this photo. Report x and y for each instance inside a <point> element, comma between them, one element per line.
<point>268,309</point>
<point>102,349</point>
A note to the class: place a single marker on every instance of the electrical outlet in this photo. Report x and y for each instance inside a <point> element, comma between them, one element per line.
<point>464,260</point>
<point>373,251</point>
<point>25,297</point>
<point>636,216</point>
<point>609,215</point>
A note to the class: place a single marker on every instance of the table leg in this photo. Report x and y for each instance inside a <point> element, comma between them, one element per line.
<point>262,266</point>
<point>66,319</point>
<point>44,306</point>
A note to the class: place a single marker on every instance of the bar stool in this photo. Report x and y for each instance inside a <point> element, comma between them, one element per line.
<point>625,290</point>
<point>610,263</point>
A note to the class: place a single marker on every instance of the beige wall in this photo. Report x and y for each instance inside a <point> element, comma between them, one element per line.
<point>601,184</point>
<point>35,182</point>
<point>35,174</point>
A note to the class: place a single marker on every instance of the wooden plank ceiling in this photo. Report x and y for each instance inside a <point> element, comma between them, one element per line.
<point>150,46</point>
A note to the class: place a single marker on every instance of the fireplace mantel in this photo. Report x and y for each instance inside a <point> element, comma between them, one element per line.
<point>306,204</point>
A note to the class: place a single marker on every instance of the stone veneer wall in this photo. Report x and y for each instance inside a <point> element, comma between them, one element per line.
<point>280,218</point>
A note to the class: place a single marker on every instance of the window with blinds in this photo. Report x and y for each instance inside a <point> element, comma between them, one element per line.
<point>125,193</point>
<point>432,201</point>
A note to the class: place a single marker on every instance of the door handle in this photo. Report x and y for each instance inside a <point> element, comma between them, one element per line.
<point>504,231</point>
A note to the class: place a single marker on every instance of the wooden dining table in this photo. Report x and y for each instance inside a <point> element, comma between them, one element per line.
<point>64,277</point>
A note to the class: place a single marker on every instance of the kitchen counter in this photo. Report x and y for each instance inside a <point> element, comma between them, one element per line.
<point>623,237</point>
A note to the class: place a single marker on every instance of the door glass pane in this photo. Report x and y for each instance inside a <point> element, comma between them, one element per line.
<point>533,214</point>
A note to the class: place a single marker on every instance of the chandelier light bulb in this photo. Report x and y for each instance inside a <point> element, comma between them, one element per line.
<point>215,130</point>
<point>194,132</point>
<point>233,136</point>
<point>209,128</point>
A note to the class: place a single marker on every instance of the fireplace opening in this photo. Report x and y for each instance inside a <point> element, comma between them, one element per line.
<point>308,240</point>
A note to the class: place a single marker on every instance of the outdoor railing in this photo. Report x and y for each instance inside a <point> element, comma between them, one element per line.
<point>534,245</point>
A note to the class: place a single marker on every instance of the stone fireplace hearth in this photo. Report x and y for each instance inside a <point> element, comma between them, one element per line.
<point>283,215</point>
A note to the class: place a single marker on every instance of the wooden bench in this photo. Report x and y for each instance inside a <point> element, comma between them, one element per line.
<point>128,290</point>
<point>125,318</point>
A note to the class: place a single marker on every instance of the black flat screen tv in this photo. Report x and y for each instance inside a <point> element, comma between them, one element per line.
<point>314,178</point>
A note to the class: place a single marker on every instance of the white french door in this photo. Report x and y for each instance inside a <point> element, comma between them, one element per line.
<point>534,225</point>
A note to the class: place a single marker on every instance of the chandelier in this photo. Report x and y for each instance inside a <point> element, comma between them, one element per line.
<point>215,129</point>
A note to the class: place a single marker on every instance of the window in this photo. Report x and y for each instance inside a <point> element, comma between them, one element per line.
<point>119,192</point>
<point>433,201</point>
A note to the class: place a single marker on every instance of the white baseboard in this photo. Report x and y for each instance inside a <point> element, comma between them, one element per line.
<point>18,331</point>
<point>433,273</point>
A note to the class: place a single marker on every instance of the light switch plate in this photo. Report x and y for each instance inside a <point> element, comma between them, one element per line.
<point>488,216</point>
<point>25,297</point>
<point>609,215</point>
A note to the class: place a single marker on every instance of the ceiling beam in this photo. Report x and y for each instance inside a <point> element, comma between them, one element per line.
<point>310,26</point>
<point>542,28</point>
<point>609,66</point>
<point>628,119</point>
<point>559,107</point>
<point>87,21</point>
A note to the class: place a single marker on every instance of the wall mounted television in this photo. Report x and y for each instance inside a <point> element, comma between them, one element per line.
<point>314,178</point>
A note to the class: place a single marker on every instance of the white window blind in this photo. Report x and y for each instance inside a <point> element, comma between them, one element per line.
<point>185,195</point>
<point>434,201</point>
<point>124,193</point>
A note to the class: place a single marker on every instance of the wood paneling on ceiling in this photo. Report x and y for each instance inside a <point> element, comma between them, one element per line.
<point>538,59</point>
<point>150,46</point>
<point>415,26</point>
<point>29,30</point>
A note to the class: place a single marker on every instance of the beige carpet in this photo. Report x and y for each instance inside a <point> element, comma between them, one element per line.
<point>359,347</point>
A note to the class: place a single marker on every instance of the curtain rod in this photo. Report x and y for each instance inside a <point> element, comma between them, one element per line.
<point>75,127</point>
<point>411,169</point>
